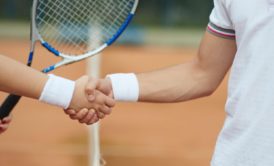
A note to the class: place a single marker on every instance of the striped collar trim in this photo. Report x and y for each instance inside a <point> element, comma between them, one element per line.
<point>221,32</point>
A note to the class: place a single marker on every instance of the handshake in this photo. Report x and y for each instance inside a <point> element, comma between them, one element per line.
<point>92,100</point>
<point>86,100</point>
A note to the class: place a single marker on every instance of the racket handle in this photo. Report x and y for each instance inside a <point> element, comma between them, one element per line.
<point>8,105</point>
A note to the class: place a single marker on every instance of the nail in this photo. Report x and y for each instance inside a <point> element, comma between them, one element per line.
<point>91,98</point>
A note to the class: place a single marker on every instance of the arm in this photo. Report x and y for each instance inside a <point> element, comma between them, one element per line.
<point>197,78</point>
<point>21,80</point>
<point>15,78</point>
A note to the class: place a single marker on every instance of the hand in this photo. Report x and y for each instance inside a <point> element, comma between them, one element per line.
<point>88,104</point>
<point>102,85</point>
<point>86,96</point>
<point>4,124</point>
<point>84,116</point>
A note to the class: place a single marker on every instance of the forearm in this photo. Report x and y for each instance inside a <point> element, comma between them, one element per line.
<point>19,79</point>
<point>175,84</point>
<point>194,79</point>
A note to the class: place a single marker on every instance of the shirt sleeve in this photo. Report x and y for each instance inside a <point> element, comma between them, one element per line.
<point>220,23</point>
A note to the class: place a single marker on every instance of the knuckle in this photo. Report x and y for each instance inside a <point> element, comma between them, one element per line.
<point>82,121</point>
<point>91,122</point>
<point>72,117</point>
<point>109,111</point>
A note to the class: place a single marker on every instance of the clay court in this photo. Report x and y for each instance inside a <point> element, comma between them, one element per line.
<point>134,135</point>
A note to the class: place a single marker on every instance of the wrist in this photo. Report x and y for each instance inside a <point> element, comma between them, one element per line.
<point>58,91</point>
<point>125,87</point>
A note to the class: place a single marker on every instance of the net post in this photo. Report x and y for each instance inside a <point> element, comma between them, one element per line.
<point>93,69</point>
<point>94,137</point>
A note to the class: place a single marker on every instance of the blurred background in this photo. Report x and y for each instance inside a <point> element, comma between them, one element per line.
<point>178,21</point>
<point>163,33</point>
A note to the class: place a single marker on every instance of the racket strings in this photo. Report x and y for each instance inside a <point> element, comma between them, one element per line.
<point>74,28</point>
<point>71,25</point>
<point>53,31</point>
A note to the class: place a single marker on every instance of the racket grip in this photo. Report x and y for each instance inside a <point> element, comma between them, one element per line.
<point>8,105</point>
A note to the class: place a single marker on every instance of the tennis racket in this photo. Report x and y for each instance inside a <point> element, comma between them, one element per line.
<point>66,27</point>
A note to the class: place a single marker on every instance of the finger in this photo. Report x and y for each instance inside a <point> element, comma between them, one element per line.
<point>73,117</point>
<point>70,112</point>
<point>100,115</point>
<point>4,127</point>
<point>91,98</point>
<point>90,89</point>
<point>7,120</point>
<point>100,98</point>
<point>81,114</point>
<point>88,117</point>
<point>110,102</point>
<point>103,99</point>
<point>1,130</point>
<point>105,110</point>
<point>94,120</point>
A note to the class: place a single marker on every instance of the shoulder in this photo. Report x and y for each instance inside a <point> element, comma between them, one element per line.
<point>220,20</point>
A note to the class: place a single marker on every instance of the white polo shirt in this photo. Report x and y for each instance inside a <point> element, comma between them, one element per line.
<point>247,138</point>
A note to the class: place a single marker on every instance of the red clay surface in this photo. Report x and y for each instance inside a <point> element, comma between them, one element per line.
<point>134,135</point>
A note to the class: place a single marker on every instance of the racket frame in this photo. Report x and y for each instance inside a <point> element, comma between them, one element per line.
<point>11,101</point>
<point>68,59</point>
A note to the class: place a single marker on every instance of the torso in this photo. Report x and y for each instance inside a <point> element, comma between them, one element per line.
<point>247,138</point>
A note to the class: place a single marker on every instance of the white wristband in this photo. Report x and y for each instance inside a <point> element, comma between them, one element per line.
<point>58,91</point>
<point>125,87</point>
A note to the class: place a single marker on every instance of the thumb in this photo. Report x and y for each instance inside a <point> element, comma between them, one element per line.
<point>90,89</point>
